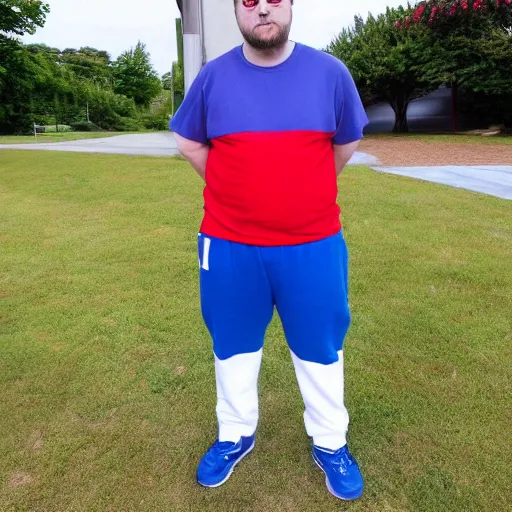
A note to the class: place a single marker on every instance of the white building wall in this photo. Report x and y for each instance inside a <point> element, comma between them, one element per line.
<point>220,30</point>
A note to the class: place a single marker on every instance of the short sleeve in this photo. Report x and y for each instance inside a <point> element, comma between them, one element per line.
<point>351,117</point>
<point>190,119</point>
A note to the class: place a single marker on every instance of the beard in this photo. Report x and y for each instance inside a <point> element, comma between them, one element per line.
<point>277,41</point>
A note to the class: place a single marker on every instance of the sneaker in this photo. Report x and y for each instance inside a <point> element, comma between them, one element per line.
<point>219,461</point>
<point>342,474</point>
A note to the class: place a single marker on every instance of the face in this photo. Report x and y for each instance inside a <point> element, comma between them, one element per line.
<point>265,24</point>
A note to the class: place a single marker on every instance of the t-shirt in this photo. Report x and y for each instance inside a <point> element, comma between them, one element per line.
<point>271,176</point>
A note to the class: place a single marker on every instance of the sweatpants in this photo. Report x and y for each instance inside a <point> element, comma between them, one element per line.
<point>241,286</point>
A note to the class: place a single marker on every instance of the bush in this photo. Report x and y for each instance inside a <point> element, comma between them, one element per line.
<point>84,126</point>
<point>155,121</point>
<point>128,124</point>
<point>157,116</point>
<point>110,111</point>
<point>51,128</point>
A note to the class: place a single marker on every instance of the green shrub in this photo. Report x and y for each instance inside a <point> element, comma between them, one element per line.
<point>51,128</point>
<point>84,126</point>
<point>109,111</point>
<point>156,121</point>
<point>128,124</point>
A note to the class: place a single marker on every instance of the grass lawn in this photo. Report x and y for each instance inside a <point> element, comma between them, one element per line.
<point>458,137</point>
<point>106,371</point>
<point>55,137</point>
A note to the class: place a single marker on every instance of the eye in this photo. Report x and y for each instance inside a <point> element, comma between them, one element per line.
<point>250,3</point>
<point>274,1</point>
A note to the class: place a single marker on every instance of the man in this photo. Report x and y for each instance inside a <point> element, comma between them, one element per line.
<point>269,126</point>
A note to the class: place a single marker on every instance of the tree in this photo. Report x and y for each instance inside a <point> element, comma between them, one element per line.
<point>460,15</point>
<point>22,16</point>
<point>384,61</point>
<point>471,45</point>
<point>16,82</point>
<point>135,77</point>
<point>167,81</point>
<point>17,77</point>
<point>89,64</point>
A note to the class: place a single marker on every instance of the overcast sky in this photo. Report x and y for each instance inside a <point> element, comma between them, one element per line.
<point>117,25</point>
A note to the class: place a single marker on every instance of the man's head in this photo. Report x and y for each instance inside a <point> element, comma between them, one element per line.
<point>265,24</point>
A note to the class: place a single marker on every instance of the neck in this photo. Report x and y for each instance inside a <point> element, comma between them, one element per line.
<point>268,58</point>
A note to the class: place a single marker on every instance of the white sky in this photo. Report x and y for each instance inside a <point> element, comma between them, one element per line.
<point>117,25</point>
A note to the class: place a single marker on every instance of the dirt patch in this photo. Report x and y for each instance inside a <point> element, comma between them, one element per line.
<point>19,478</point>
<point>404,151</point>
<point>35,441</point>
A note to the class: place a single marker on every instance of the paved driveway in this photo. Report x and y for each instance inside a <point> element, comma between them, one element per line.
<point>153,144</point>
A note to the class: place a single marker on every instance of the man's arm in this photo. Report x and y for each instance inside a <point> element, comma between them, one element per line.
<point>195,152</point>
<point>343,153</point>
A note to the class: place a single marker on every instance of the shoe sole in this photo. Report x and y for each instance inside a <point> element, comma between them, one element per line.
<point>249,450</point>
<point>330,489</point>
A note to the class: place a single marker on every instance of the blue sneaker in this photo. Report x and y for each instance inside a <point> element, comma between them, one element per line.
<point>219,461</point>
<point>342,474</point>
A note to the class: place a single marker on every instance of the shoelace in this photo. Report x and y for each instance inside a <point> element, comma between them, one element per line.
<point>219,450</point>
<point>341,460</point>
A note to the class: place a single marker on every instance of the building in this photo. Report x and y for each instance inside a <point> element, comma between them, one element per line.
<point>209,30</point>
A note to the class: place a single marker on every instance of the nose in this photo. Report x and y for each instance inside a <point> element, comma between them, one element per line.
<point>264,9</point>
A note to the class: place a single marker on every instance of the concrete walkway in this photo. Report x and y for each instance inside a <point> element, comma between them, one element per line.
<point>486,179</point>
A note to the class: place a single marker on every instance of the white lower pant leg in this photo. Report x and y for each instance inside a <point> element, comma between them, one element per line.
<point>322,388</point>
<point>237,395</point>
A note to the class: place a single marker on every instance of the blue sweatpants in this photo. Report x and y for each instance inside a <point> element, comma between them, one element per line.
<point>307,285</point>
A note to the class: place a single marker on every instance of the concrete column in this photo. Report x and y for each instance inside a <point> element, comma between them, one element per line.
<point>192,40</point>
<point>192,50</point>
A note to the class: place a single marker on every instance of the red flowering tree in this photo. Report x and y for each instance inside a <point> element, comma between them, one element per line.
<point>471,44</point>
<point>449,14</point>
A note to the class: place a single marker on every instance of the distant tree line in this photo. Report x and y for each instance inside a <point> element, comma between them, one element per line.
<point>83,88</point>
<point>397,56</point>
